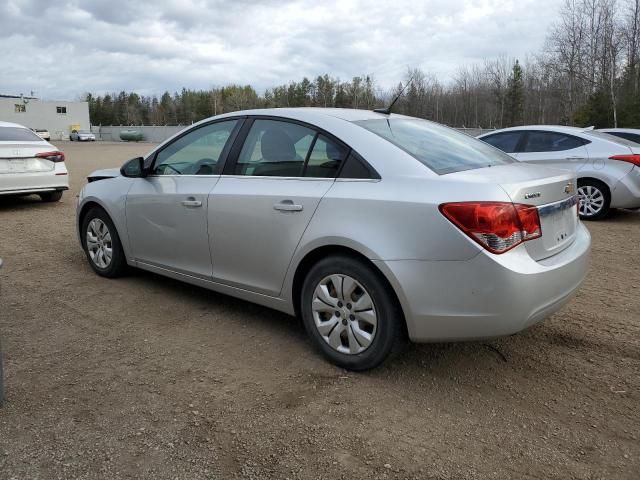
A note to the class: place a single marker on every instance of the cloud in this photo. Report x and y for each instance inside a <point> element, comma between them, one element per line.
<point>60,49</point>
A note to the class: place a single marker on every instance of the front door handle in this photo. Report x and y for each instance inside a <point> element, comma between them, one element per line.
<point>191,202</point>
<point>287,206</point>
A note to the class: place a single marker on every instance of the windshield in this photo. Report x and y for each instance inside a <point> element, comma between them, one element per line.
<point>441,149</point>
<point>17,134</point>
<point>84,131</point>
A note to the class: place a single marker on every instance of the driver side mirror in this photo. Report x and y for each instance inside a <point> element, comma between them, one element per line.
<point>134,168</point>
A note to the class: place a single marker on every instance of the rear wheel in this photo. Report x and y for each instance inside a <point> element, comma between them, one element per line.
<point>102,244</point>
<point>594,199</point>
<point>51,196</point>
<point>350,313</point>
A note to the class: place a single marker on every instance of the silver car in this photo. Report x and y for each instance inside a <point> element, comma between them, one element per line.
<point>631,134</point>
<point>82,136</point>
<point>607,167</point>
<point>370,227</point>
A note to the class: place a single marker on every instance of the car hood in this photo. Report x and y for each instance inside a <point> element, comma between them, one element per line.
<point>104,174</point>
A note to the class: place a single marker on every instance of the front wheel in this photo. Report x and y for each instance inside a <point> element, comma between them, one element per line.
<point>350,313</point>
<point>102,245</point>
<point>594,199</point>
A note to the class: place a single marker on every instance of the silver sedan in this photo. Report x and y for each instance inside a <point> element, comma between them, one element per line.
<point>607,166</point>
<point>370,227</point>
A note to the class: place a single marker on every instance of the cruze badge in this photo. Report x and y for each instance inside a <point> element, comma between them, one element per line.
<point>569,188</point>
<point>532,195</point>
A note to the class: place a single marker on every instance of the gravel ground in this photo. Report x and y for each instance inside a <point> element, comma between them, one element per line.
<point>145,377</point>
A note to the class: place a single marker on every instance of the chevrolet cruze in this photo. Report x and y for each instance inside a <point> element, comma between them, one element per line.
<point>371,227</point>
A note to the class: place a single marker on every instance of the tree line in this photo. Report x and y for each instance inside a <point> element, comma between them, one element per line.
<point>587,73</point>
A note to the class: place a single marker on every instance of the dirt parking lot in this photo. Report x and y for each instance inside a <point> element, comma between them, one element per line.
<point>145,377</point>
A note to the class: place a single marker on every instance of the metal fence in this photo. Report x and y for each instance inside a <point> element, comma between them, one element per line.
<point>158,134</point>
<point>153,134</point>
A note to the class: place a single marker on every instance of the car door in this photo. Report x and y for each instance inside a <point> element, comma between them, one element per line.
<point>263,203</point>
<point>553,149</point>
<point>167,210</point>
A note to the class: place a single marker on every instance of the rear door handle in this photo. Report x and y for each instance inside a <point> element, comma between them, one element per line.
<point>191,202</point>
<point>287,206</point>
<point>575,159</point>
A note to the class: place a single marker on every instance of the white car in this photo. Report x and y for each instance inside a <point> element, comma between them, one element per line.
<point>82,136</point>
<point>631,134</point>
<point>29,164</point>
<point>607,167</point>
<point>42,133</point>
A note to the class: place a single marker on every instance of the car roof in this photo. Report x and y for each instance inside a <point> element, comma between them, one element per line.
<point>313,113</point>
<point>9,124</point>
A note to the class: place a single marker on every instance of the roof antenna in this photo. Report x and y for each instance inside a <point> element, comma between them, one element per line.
<point>387,110</point>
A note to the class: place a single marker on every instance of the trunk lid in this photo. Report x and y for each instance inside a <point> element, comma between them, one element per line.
<point>552,191</point>
<point>20,158</point>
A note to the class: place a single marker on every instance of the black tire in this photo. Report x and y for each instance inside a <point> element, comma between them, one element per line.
<point>388,336</point>
<point>603,190</point>
<point>51,196</point>
<point>118,264</point>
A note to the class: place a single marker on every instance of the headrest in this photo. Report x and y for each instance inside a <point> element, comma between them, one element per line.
<point>333,151</point>
<point>277,146</point>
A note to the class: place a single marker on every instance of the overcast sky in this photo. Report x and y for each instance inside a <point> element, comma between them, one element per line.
<point>60,49</point>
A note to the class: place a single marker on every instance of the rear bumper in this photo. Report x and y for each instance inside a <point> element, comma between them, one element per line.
<point>626,193</point>
<point>488,295</point>
<point>19,183</point>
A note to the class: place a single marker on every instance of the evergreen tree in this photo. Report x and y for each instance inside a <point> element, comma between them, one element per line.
<point>515,96</point>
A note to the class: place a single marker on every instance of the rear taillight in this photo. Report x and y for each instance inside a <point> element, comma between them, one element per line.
<point>635,159</point>
<point>52,156</point>
<point>497,226</point>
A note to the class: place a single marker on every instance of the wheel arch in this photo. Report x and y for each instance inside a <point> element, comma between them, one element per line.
<point>595,179</point>
<point>94,203</point>
<point>315,254</point>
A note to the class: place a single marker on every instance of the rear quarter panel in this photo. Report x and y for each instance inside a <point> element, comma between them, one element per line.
<point>391,219</point>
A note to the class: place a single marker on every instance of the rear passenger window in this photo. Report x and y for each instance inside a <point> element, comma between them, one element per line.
<point>550,142</point>
<point>325,158</point>
<point>632,137</point>
<point>275,149</point>
<point>507,142</point>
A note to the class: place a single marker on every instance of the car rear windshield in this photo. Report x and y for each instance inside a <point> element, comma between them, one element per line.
<point>440,148</point>
<point>17,134</point>
<point>611,138</point>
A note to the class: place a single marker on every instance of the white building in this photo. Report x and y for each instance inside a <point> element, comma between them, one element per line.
<point>59,117</point>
